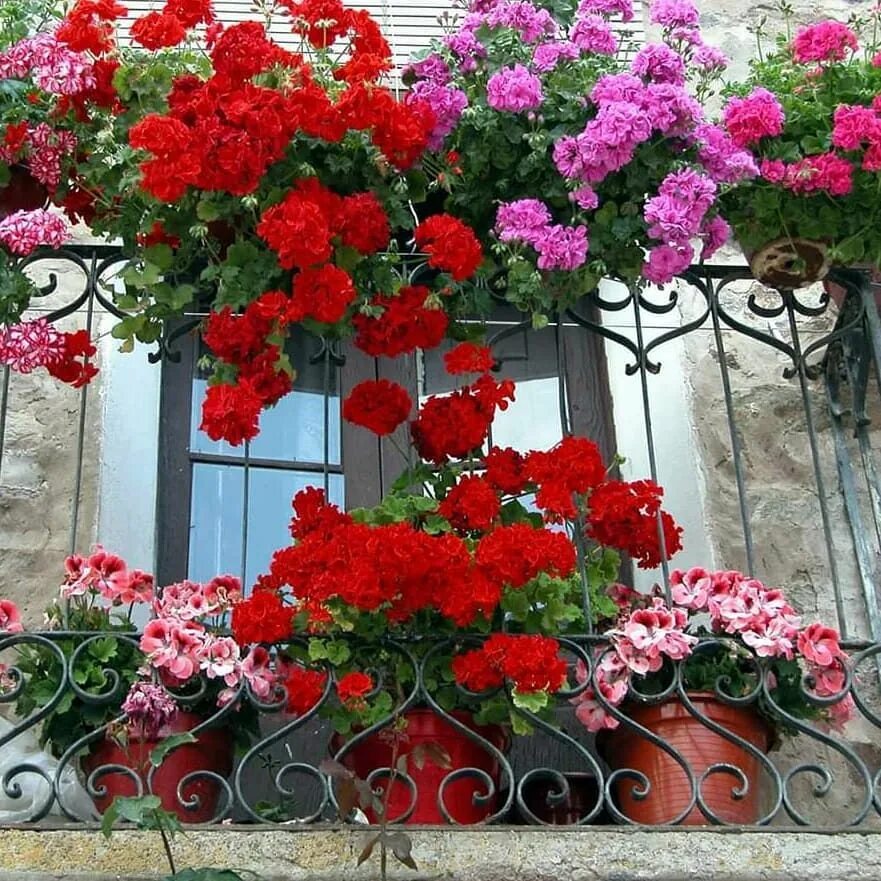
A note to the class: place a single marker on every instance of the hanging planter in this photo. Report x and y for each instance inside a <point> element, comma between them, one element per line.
<point>23,192</point>
<point>700,747</point>
<point>789,263</point>
<point>460,796</point>
<point>212,752</point>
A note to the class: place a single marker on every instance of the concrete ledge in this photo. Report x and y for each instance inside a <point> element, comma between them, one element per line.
<point>470,854</point>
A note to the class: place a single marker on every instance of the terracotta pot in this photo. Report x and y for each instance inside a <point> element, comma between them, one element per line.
<point>23,192</point>
<point>837,292</point>
<point>700,747</point>
<point>789,263</point>
<point>212,751</point>
<point>583,795</point>
<point>426,726</point>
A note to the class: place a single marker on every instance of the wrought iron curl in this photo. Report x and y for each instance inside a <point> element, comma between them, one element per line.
<point>824,785</point>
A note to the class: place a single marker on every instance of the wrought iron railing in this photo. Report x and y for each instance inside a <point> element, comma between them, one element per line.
<point>800,504</point>
<point>636,773</point>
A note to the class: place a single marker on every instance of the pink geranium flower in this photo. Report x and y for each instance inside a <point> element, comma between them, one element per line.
<point>10,617</point>
<point>820,645</point>
<point>257,671</point>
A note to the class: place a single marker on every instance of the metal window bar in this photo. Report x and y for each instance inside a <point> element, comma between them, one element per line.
<point>824,366</point>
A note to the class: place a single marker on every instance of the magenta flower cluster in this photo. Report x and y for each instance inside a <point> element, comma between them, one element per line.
<point>447,104</point>
<point>149,709</point>
<point>824,41</point>
<point>758,115</point>
<point>529,221</point>
<point>514,89</point>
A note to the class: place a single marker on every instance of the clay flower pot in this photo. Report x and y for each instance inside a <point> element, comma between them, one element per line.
<point>427,727</point>
<point>23,192</point>
<point>789,263</point>
<point>212,751</point>
<point>700,747</point>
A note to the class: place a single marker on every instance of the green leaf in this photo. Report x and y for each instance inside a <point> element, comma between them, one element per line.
<point>158,754</point>
<point>533,701</point>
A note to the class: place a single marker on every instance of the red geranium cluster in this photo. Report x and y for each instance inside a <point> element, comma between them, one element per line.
<point>232,412</point>
<point>450,244</point>
<point>87,26</point>
<point>378,405</point>
<point>406,323</point>
<point>263,617</point>
<point>224,133</point>
<point>530,663</point>
<point>628,516</point>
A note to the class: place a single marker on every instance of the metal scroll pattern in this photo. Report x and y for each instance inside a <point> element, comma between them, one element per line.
<point>811,777</point>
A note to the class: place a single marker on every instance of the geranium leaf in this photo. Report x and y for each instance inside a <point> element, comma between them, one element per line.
<point>158,754</point>
<point>368,849</point>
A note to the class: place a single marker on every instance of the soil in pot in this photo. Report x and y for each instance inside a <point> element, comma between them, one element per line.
<point>787,264</point>
<point>212,751</point>
<point>427,727</point>
<point>700,747</point>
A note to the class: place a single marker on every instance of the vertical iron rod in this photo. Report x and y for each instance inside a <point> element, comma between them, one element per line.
<point>815,459</point>
<point>736,447</point>
<point>4,403</point>
<point>650,439</point>
<point>246,513</point>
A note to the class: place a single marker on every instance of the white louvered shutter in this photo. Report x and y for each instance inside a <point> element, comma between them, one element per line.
<point>408,26</point>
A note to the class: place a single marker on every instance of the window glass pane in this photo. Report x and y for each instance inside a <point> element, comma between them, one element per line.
<point>292,430</point>
<point>217,515</point>
<point>269,511</point>
<point>529,358</point>
<point>216,511</point>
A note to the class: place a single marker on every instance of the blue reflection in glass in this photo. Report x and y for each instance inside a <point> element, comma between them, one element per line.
<point>217,515</point>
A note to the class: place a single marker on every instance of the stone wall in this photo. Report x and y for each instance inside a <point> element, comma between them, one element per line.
<point>38,473</point>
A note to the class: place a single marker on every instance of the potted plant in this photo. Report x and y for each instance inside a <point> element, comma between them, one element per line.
<point>138,711</point>
<point>437,615</point>
<point>808,112</point>
<point>573,157</point>
<point>718,675</point>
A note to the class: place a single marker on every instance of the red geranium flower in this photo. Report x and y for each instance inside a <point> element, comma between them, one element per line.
<point>471,504</point>
<point>304,688</point>
<point>231,413</point>
<point>353,688</point>
<point>158,30</point>
<point>297,231</point>
<point>573,467</point>
<point>70,368</point>
<point>313,514</point>
<point>450,244</point>
<point>468,358</point>
<point>505,470</point>
<point>363,224</point>
<point>625,516</point>
<point>515,554</point>
<point>323,294</point>
<point>530,663</point>
<point>263,617</point>
<point>406,324</point>
<point>378,405</point>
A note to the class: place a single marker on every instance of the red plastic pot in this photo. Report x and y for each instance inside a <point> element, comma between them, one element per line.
<point>23,192</point>
<point>427,727</point>
<point>700,747</point>
<point>212,751</point>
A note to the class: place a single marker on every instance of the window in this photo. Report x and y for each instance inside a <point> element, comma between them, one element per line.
<point>225,509</point>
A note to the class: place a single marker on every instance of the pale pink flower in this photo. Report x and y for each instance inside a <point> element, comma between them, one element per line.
<point>690,589</point>
<point>10,617</point>
<point>222,592</point>
<point>219,658</point>
<point>776,639</point>
<point>649,635</point>
<point>820,645</point>
<point>173,646</point>
<point>257,672</point>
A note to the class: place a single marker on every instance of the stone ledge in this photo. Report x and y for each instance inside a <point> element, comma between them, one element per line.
<point>471,854</point>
